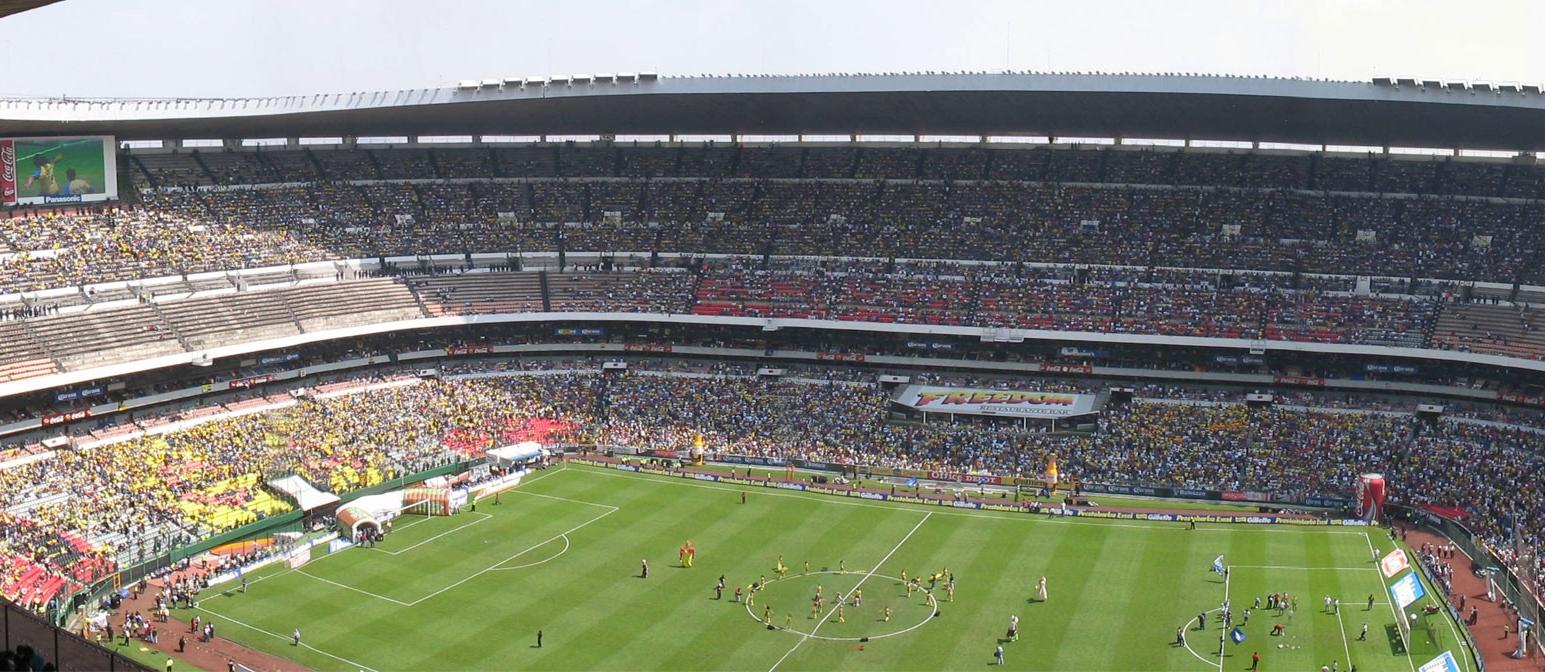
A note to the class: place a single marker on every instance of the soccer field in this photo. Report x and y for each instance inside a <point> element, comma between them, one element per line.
<point>561,554</point>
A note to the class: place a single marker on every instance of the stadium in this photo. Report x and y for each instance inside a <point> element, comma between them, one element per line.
<point>892,371</point>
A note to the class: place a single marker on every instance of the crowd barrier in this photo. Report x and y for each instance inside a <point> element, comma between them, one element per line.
<point>67,651</point>
<point>978,503</point>
<point>1513,588</point>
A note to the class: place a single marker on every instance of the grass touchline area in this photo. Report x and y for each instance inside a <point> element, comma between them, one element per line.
<point>1111,581</point>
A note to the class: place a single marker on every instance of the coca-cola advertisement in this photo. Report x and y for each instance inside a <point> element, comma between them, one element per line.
<point>41,171</point>
<point>7,172</point>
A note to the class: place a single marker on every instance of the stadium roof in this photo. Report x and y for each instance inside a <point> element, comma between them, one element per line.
<point>9,7</point>
<point>1404,112</point>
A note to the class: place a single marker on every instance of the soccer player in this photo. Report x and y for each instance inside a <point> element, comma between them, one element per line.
<point>807,566</point>
<point>1201,621</point>
<point>949,591</point>
<point>295,637</point>
<point>1255,661</point>
<point>644,564</point>
<point>842,566</point>
<point>1180,635</point>
<point>737,594</point>
<point>538,638</point>
<point>885,614</point>
<point>742,496</point>
<point>815,608</point>
<point>1370,601</point>
<point>1040,589</point>
<point>1014,627</point>
<point>858,597</point>
<point>751,596</point>
<point>74,185</point>
<point>841,616</point>
<point>1363,636</point>
<point>718,589</point>
<point>998,655</point>
<point>43,176</point>
<point>767,615</point>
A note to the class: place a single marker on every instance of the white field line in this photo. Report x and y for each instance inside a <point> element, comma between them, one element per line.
<point>1228,574</point>
<point>453,530</point>
<point>254,628</point>
<point>842,501</point>
<point>1326,569</point>
<point>1183,637</point>
<point>1383,589</point>
<point>1466,660</point>
<point>565,549</point>
<point>609,511</point>
<point>843,597</point>
<point>1342,626</point>
<point>346,586</point>
<point>563,535</point>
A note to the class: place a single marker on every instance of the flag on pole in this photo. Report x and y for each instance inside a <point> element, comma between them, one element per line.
<point>1238,634</point>
<point>1217,565</point>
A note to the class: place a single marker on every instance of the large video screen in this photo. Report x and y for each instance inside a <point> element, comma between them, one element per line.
<point>40,171</point>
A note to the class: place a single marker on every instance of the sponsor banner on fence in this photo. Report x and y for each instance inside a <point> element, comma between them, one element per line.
<point>243,383</point>
<point>61,418</point>
<point>1006,403</point>
<point>1261,519</point>
<point>469,349</point>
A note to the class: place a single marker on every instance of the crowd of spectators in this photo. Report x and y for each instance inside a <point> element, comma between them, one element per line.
<point>1076,206</point>
<point>80,507</point>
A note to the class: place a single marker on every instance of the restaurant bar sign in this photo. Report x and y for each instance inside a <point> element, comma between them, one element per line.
<point>1002,403</point>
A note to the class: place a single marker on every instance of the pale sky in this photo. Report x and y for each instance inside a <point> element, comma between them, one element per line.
<point>276,47</point>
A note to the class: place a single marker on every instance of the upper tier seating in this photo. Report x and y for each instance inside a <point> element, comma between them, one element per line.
<point>100,338</point>
<point>320,307</point>
<point>479,293</point>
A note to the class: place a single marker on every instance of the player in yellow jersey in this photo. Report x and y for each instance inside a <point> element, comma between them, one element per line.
<point>43,176</point>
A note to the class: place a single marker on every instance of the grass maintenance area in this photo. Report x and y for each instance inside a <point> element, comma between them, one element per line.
<point>562,554</point>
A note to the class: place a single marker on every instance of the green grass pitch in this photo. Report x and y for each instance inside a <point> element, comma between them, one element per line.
<point>562,554</point>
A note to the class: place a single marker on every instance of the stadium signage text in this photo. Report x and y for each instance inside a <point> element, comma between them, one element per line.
<point>1012,403</point>
<point>469,349</point>
<point>8,172</point>
<point>61,418</point>
<point>244,383</point>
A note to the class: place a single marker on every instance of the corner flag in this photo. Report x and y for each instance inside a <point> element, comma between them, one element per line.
<point>1217,565</point>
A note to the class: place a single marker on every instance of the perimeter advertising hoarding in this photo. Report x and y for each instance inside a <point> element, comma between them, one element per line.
<point>1003,403</point>
<point>46,171</point>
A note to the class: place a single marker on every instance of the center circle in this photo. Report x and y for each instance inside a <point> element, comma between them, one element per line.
<point>871,608</point>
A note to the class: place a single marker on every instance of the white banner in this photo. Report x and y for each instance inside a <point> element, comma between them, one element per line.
<point>1394,563</point>
<point>1007,403</point>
